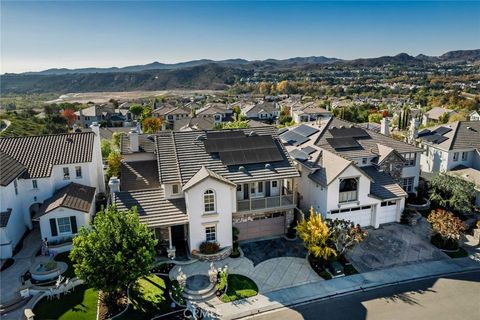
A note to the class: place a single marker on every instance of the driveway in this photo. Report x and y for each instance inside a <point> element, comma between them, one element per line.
<point>393,245</point>
<point>259,251</point>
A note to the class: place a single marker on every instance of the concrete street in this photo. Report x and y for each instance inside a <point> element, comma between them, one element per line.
<point>449,298</point>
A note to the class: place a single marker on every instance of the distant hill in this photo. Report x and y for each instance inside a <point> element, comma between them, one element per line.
<point>196,74</point>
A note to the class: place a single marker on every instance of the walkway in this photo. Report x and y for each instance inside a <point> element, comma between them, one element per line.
<point>331,288</point>
<point>10,278</point>
<point>269,275</point>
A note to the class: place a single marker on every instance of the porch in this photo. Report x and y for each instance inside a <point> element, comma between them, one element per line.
<point>172,241</point>
<point>261,195</point>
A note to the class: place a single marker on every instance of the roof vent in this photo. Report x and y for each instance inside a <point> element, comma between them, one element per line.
<point>469,128</point>
<point>201,137</point>
<point>69,139</point>
<point>351,126</point>
<point>268,166</point>
<point>242,169</point>
<point>252,134</point>
<point>342,127</point>
<point>151,137</point>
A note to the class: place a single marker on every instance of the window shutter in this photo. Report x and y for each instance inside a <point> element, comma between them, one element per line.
<point>53,227</point>
<point>73,223</point>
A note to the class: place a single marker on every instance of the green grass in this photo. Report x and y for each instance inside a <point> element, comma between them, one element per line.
<point>461,253</point>
<point>239,287</point>
<point>63,257</point>
<point>80,304</point>
<point>149,297</point>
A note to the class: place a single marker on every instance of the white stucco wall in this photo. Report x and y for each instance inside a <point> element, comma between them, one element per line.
<point>413,171</point>
<point>225,205</point>
<point>83,218</point>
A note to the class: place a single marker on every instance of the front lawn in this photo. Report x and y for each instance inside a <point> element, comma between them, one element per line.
<point>239,287</point>
<point>80,304</point>
<point>149,297</point>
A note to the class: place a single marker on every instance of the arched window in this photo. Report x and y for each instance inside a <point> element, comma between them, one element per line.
<point>209,201</point>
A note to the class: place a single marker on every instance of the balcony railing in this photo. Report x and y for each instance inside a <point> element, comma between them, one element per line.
<point>265,203</point>
<point>347,196</point>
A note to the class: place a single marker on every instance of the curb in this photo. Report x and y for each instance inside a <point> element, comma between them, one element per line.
<point>354,290</point>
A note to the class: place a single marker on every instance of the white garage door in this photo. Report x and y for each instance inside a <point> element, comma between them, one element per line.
<point>260,228</point>
<point>356,215</point>
<point>387,212</point>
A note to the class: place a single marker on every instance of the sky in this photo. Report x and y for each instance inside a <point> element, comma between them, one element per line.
<point>69,34</point>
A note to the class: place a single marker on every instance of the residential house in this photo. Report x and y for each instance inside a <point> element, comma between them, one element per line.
<point>34,168</point>
<point>474,116</point>
<point>450,145</point>
<point>170,114</point>
<point>351,173</point>
<point>309,111</point>
<point>261,111</point>
<point>220,112</point>
<point>433,115</point>
<point>195,185</point>
<point>101,114</point>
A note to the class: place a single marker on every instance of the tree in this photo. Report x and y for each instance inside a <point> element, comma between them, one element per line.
<point>232,125</point>
<point>151,125</point>
<point>315,233</point>
<point>69,116</point>
<point>116,136</point>
<point>375,117</point>
<point>146,113</point>
<point>456,117</point>
<point>136,110</point>
<point>106,148</point>
<point>345,234</point>
<point>446,225</point>
<point>443,118</point>
<point>114,162</point>
<point>452,193</point>
<point>115,251</point>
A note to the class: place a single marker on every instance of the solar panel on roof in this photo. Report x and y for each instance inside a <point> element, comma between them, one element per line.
<point>238,143</point>
<point>293,138</point>
<point>224,134</point>
<point>299,155</point>
<point>282,130</point>
<point>440,139</point>
<point>309,150</point>
<point>305,130</point>
<point>240,157</point>
<point>343,143</point>
<point>353,132</point>
<point>442,130</point>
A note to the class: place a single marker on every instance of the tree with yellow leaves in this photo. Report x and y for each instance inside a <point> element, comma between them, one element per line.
<point>315,233</point>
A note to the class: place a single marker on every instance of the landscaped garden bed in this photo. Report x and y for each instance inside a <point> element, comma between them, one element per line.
<point>163,268</point>
<point>80,304</point>
<point>238,287</point>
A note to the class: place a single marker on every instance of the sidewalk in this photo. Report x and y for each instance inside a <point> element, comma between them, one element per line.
<point>325,289</point>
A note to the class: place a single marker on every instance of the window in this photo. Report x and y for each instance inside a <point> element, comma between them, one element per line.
<point>364,160</point>
<point>175,189</point>
<point>66,173</point>
<point>78,171</point>
<point>411,159</point>
<point>211,234</point>
<point>388,203</point>
<point>15,186</point>
<point>274,184</point>
<point>239,188</point>
<point>260,187</point>
<point>64,225</point>
<point>348,190</point>
<point>455,156</point>
<point>209,201</point>
<point>35,184</point>
<point>464,156</point>
<point>407,184</point>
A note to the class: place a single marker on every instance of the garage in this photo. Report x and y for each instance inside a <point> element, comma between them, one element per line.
<point>254,227</point>
<point>387,212</point>
<point>358,215</point>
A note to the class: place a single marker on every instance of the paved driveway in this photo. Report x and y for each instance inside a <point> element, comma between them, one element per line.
<point>393,245</point>
<point>259,251</point>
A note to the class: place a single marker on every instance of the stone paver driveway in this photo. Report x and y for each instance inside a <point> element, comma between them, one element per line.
<point>269,275</point>
<point>259,251</point>
<point>393,245</point>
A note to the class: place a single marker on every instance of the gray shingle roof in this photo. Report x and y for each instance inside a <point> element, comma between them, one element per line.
<point>464,135</point>
<point>153,209</point>
<point>145,144</point>
<point>139,175</point>
<point>10,169</point>
<point>368,147</point>
<point>73,196</point>
<point>383,186</point>
<point>182,154</point>
<point>40,153</point>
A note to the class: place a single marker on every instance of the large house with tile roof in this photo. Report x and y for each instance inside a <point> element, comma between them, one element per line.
<point>190,187</point>
<point>348,172</point>
<point>35,168</point>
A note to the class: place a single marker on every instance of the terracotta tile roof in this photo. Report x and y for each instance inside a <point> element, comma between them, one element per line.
<point>73,196</point>
<point>9,169</point>
<point>40,153</point>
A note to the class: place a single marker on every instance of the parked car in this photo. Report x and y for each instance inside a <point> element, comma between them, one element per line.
<point>335,268</point>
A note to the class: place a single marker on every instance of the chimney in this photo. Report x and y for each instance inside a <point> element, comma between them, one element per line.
<point>114,186</point>
<point>385,127</point>
<point>133,134</point>
<point>412,131</point>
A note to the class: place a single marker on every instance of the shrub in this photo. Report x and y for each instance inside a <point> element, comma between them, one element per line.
<point>177,292</point>
<point>50,265</point>
<point>222,279</point>
<point>447,228</point>
<point>406,215</point>
<point>209,247</point>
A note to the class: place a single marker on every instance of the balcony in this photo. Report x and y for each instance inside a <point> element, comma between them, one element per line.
<point>262,203</point>
<point>347,196</point>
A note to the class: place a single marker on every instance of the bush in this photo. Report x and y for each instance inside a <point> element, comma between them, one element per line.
<point>235,252</point>
<point>209,247</point>
<point>177,292</point>
<point>445,244</point>
<point>406,215</point>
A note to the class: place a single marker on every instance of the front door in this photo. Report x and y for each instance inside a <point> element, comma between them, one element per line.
<point>256,189</point>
